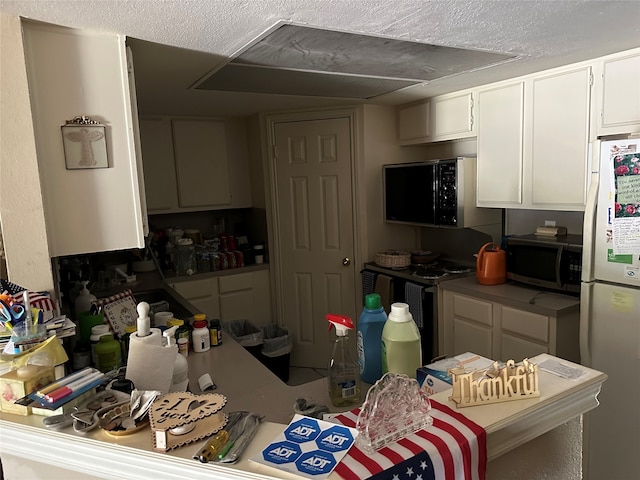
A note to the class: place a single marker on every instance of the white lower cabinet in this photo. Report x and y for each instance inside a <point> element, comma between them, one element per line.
<point>242,296</point>
<point>202,294</point>
<point>482,323</point>
<point>246,296</point>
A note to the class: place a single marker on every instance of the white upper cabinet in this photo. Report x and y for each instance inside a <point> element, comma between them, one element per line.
<point>452,117</point>
<point>533,139</point>
<point>617,88</point>
<point>500,145</point>
<point>413,123</point>
<point>200,148</point>
<point>73,73</point>
<point>446,117</point>
<point>159,168</point>
<point>556,141</point>
<point>190,164</point>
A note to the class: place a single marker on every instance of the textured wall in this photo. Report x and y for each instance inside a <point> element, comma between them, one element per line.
<point>556,455</point>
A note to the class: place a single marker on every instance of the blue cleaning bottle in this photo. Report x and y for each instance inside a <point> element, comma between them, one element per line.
<point>369,341</point>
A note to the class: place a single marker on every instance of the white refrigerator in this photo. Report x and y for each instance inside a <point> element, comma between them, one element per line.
<point>610,310</point>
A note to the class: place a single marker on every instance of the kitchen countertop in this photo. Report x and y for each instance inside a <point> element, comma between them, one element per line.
<point>515,295</point>
<point>250,386</point>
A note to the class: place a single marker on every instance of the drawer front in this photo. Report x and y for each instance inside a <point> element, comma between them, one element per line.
<point>527,324</point>
<point>473,309</point>
<point>233,283</point>
<point>517,348</point>
<point>196,288</point>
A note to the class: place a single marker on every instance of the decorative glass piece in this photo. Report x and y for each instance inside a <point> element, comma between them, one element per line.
<point>394,408</point>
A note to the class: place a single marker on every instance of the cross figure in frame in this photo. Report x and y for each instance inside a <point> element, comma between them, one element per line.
<point>90,135</point>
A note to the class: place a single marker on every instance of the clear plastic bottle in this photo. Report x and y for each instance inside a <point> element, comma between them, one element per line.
<point>343,377</point>
<point>370,325</point>
<point>401,348</point>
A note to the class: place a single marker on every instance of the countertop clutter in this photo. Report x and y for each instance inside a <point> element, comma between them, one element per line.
<point>28,448</point>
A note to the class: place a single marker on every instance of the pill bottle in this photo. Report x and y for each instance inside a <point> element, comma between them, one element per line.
<point>97,331</point>
<point>200,336</point>
<point>215,333</point>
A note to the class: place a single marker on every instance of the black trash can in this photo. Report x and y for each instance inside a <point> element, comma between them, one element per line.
<point>276,350</point>
<point>246,334</point>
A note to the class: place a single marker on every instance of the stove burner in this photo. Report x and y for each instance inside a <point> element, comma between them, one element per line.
<point>456,269</point>
<point>429,273</point>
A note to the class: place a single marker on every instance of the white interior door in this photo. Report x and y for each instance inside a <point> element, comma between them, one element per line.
<point>314,221</point>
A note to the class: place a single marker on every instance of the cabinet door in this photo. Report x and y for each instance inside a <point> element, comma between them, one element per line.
<point>620,96</point>
<point>246,296</point>
<point>517,348</point>
<point>159,167</point>
<point>202,294</point>
<point>472,337</point>
<point>556,156</point>
<point>200,149</point>
<point>500,146</point>
<point>452,117</point>
<point>73,72</point>
<point>413,123</point>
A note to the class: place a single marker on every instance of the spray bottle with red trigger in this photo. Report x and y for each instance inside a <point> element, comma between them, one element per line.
<point>344,377</point>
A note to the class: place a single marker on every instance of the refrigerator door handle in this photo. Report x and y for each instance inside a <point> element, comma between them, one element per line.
<point>585,316</point>
<point>589,229</point>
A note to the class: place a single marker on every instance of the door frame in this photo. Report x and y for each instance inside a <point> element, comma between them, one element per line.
<point>354,114</point>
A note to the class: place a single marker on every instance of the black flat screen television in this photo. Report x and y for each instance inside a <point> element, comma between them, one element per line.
<point>410,193</point>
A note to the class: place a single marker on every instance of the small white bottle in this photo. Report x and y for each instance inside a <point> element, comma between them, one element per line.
<point>97,331</point>
<point>200,336</point>
<point>84,300</point>
<point>401,347</point>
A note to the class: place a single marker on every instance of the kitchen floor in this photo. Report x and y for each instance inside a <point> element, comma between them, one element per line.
<point>300,375</point>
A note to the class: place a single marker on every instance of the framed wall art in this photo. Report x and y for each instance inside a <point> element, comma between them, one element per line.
<point>85,143</point>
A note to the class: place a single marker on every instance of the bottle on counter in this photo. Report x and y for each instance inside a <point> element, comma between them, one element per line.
<point>182,331</point>
<point>215,333</point>
<point>180,375</point>
<point>97,331</point>
<point>124,342</point>
<point>200,336</point>
<point>185,254</point>
<point>84,300</point>
<point>107,352</point>
<point>343,378</point>
<point>401,348</point>
<point>369,340</point>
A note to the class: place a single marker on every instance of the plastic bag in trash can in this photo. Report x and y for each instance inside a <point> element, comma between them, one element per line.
<point>244,332</point>
<point>276,341</point>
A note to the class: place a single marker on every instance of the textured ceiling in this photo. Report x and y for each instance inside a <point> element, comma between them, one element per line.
<point>198,36</point>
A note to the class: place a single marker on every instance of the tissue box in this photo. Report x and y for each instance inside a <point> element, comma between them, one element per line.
<point>20,382</point>
<point>433,378</point>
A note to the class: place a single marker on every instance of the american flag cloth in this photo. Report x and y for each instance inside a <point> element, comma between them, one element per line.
<point>453,448</point>
<point>41,300</point>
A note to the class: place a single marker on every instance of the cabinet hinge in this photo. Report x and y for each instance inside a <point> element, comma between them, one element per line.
<point>591,79</point>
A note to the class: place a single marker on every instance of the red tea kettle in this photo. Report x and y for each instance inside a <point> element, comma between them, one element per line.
<point>491,265</point>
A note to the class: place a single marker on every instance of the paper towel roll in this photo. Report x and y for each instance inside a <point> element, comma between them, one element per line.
<point>154,338</point>
<point>149,366</point>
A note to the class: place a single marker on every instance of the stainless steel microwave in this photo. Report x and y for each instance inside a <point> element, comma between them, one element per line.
<point>553,263</point>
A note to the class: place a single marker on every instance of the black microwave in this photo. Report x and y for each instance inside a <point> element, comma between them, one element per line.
<point>553,263</point>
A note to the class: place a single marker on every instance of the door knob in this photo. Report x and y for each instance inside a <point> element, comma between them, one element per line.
<point>346,261</point>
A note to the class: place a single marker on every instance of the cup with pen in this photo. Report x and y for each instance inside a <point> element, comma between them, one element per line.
<point>26,330</point>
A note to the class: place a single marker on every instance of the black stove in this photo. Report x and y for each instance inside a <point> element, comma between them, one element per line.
<point>439,270</point>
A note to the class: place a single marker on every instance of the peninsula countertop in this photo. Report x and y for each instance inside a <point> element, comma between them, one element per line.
<point>27,447</point>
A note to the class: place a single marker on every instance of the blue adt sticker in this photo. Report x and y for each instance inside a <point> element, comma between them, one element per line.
<point>304,430</point>
<point>282,452</point>
<point>335,439</point>
<point>316,463</point>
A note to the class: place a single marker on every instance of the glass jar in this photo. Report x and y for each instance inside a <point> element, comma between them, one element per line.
<point>185,254</point>
<point>202,259</point>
